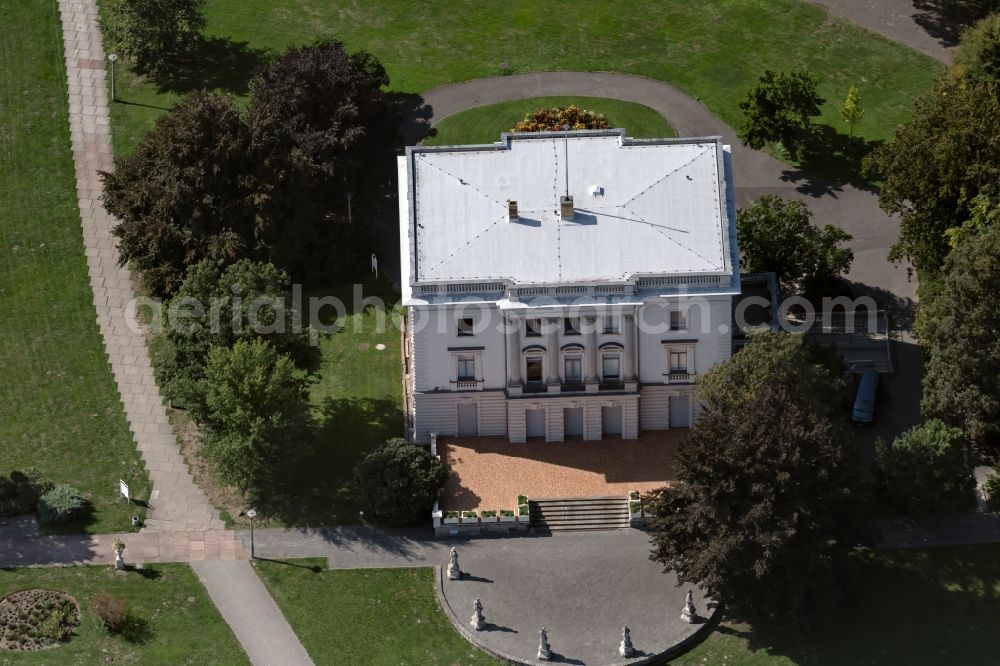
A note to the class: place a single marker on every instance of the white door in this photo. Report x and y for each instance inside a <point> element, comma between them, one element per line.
<point>573,421</point>
<point>611,420</point>
<point>468,419</point>
<point>680,411</point>
<point>534,422</point>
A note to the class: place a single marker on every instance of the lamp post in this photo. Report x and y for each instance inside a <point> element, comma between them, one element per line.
<point>112,57</point>
<point>348,195</point>
<point>566,153</point>
<point>251,514</point>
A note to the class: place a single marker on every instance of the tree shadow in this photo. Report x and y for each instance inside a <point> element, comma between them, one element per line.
<point>148,574</point>
<point>136,630</point>
<point>215,63</point>
<point>944,20</point>
<point>315,568</point>
<point>415,115</point>
<point>829,159</point>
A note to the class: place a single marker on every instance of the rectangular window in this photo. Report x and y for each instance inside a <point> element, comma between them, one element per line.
<point>466,368</point>
<point>611,325</point>
<point>610,366</point>
<point>574,369</point>
<point>465,326</point>
<point>571,326</point>
<point>533,369</point>
<point>532,328</point>
<point>678,361</point>
<point>678,320</point>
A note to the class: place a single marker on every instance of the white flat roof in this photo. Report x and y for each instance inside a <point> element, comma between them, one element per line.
<point>642,208</point>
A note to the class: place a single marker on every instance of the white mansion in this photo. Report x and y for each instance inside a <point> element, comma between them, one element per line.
<point>564,284</point>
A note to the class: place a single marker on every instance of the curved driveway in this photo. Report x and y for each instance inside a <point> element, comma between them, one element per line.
<point>853,209</point>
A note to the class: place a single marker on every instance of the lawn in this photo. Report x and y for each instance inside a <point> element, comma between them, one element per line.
<point>375,616</point>
<point>712,50</point>
<point>59,407</point>
<point>914,607</point>
<point>176,621</point>
<point>484,124</point>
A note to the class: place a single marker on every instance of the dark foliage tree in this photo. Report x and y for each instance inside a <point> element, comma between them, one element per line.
<point>927,469</point>
<point>959,324</point>
<point>978,56</point>
<point>218,306</point>
<point>321,126</point>
<point>157,35</point>
<point>184,195</point>
<point>399,483</point>
<point>778,235</point>
<point>257,415</point>
<point>779,107</point>
<point>937,164</point>
<point>765,504</point>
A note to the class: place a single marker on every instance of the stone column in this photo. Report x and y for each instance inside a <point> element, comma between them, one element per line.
<point>590,377</point>
<point>628,351</point>
<point>513,334</point>
<point>552,355</point>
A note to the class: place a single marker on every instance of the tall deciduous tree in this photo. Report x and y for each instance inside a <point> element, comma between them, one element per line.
<point>978,55</point>
<point>321,124</point>
<point>156,34</point>
<point>779,107</point>
<point>852,111</point>
<point>764,506</point>
<point>778,235</point>
<point>258,413</point>
<point>937,164</point>
<point>960,320</point>
<point>185,194</point>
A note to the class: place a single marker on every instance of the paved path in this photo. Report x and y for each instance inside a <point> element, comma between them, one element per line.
<point>851,208</point>
<point>176,503</point>
<point>900,21</point>
<point>249,610</point>
<point>938,529</point>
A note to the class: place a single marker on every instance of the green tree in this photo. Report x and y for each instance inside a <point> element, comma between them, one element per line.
<point>257,415</point>
<point>778,235</point>
<point>218,306</point>
<point>185,194</point>
<point>399,483</point>
<point>779,107</point>
<point>927,469</point>
<point>852,111</point>
<point>959,324</point>
<point>765,503</point>
<point>156,34</point>
<point>936,165</point>
<point>978,54</point>
<point>322,126</point>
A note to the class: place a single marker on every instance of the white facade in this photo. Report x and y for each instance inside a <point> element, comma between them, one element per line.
<point>535,319</point>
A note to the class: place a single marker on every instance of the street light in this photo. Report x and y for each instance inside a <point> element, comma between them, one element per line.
<point>348,195</point>
<point>112,57</point>
<point>251,514</point>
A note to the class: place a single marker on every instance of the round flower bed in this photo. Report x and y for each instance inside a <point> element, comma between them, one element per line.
<point>37,619</point>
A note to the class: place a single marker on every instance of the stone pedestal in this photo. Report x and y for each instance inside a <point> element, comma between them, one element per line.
<point>478,622</point>
<point>689,614</point>
<point>119,562</point>
<point>625,648</point>
<point>544,651</point>
<point>454,573</point>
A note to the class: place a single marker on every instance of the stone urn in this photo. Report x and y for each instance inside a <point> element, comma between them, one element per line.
<point>119,547</point>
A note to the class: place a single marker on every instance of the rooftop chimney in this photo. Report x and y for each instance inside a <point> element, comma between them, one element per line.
<point>511,210</point>
<point>566,207</point>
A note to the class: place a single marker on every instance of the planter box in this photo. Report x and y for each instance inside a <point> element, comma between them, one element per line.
<point>451,521</point>
<point>508,519</point>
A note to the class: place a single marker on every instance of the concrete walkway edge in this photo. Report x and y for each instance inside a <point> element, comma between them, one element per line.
<point>251,613</point>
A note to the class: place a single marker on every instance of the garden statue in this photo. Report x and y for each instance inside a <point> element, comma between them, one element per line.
<point>454,573</point>
<point>689,614</point>
<point>119,547</point>
<point>544,652</point>
<point>626,649</point>
<point>477,621</point>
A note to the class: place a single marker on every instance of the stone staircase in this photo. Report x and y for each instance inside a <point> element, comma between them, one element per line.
<point>579,513</point>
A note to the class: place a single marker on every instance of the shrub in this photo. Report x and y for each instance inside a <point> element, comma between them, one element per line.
<point>779,107</point>
<point>399,482</point>
<point>926,469</point>
<point>19,494</point>
<point>991,488</point>
<point>60,505</point>
<point>544,120</point>
<point>112,611</point>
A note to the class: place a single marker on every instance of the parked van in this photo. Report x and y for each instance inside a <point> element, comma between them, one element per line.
<point>863,412</point>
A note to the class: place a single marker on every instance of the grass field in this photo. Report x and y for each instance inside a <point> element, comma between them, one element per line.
<point>919,607</point>
<point>176,621</point>
<point>374,616</point>
<point>483,125</point>
<point>59,408</point>
<point>712,50</point>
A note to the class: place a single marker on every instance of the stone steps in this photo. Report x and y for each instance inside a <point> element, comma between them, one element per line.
<point>579,513</point>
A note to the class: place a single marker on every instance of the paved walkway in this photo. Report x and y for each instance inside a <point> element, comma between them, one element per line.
<point>900,21</point>
<point>248,608</point>
<point>176,502</point>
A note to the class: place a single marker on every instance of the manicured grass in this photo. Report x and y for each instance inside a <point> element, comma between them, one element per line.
<point>371,616</point>
<point>713,50</point>
<point>934,606</point>
<point>59,408</point>
<point>484,125</point>
<point>176,621</point>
